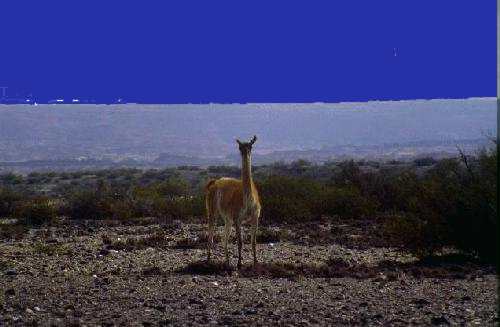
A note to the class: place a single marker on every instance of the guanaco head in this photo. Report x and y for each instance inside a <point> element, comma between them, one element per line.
<point>246,147</point>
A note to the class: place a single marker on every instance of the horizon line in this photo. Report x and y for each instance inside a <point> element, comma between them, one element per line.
<point>241,103</point>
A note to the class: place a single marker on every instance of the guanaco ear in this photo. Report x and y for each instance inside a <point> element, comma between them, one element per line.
<point>238,141</point>
<point>253,139</point>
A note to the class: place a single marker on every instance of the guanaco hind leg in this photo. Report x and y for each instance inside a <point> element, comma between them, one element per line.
<point>210,243</point>
<point>227,234</point>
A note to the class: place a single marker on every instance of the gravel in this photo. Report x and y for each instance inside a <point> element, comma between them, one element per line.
<point>96,276</point>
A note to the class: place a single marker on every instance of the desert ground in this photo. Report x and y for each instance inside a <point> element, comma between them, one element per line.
<point>153,273</point>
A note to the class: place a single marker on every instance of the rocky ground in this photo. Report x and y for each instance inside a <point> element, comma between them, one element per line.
<point>108,273</point>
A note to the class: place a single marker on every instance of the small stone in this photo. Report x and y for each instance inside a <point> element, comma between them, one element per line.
<point>103,252</point>
<point>195,301</point>
<point>250,311</point>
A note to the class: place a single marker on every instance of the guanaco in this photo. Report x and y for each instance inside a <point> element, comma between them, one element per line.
<point>236,201</point>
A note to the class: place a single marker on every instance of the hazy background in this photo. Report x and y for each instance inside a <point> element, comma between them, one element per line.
<point>203,134</point>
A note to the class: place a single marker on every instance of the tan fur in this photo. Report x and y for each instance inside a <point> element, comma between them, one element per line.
<point>236,201</point>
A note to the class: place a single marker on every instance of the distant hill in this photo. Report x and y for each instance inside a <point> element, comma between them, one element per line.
<point>205,134</point>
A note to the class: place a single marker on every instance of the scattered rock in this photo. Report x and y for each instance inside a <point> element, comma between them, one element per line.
<point>103,252</point>
<point>250,311</point>
<point>290,285</point>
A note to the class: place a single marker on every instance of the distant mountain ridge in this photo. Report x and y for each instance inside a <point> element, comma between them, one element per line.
<point>205,134</point>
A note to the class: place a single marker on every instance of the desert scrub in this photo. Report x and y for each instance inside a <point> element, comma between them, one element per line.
<point>36,211</point>
<point>8,200</point>
<point>474,222</point>
<point>289,199</point>
<point>346,202</point>
<point>412,234</point>
<point>167,200</point>
<point>101,202</point>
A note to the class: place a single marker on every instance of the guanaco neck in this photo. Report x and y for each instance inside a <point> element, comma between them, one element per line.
<point>246,176</point>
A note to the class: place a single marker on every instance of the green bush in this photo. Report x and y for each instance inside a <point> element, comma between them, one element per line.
<point>347,174</point>
<point>346,202</point>
<point>173,187</point>
<point>172,198</point>
<point>453,204</point>
<point>289,199</point>
<point>92,203</point>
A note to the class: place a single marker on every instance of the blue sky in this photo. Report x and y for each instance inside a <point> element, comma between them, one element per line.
<point>249,51</point>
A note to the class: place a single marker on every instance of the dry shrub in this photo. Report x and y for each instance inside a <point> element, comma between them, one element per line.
<point>413,234</point>
<point>289,199</point>
<point>8,200</point>
<point>36,211</point>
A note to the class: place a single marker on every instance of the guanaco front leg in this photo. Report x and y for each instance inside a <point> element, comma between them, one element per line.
<point>255,227</point>
<point>240,243</point>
